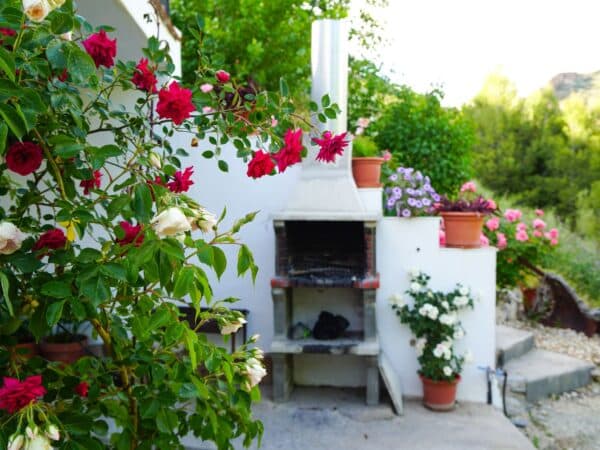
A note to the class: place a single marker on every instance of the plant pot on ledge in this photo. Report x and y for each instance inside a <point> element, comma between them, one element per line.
<point>58,349</point>
<point>463,229</point>
<point>367,171</point>
<point>439,395</point>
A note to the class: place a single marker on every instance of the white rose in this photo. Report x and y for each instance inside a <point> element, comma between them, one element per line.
<point>445,319</point>
<point>447,354</point>
<point>415,287</point>
<point>31,432</point>
<point>420,346</point>
<point>203,220</point>
<point>255,371</point>
<point>464,291</point>
<point>423,310</point>
<point>155,160</point>
<point>414,273</point>
<point>15,442</point>
<point>52,433</point>
<point>396,300</point>
<point>447,371</point>
<point>11,238</point>
<point>433,313</point>
<point>39,442</point>
<point>468,356</point>
<point>68,36</point>
<point>36,10</point>
<point>439,350</point>
<point>170,222</point>
<point>445,305</point>
<point>56,3</point>
<point>232,327</point>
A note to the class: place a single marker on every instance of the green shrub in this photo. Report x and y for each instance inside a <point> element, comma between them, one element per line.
<point>363,146</point>
<point>421,133</point>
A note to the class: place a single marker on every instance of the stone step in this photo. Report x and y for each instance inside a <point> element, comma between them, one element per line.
<point>511,343</point>
<point>540,373</point>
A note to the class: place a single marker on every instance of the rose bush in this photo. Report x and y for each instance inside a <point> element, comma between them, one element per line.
<point>106,235</point>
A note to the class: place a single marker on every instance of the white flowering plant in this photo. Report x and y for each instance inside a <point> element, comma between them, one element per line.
<point>433,320</point>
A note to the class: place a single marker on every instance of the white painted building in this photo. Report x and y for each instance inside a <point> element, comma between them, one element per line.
<point>402,244</point>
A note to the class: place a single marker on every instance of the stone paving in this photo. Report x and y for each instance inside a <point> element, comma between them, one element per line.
<point>338,419</point>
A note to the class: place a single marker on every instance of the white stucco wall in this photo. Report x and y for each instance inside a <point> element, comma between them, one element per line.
<point>406,244</point>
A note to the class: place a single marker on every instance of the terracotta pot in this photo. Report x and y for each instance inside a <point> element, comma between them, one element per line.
<point>367,171</point>
<point>65,352</point>
<point>27,350</point>
<point>529,297</point>
<point>463,229</point>
<point>439,395</point>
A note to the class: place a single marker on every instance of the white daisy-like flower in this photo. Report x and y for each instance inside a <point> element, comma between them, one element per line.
<point>447,371</point>
<point>420,346</point>
<point>433,313</point>
<point>430,294</point>
<point>396,300</point>
<point>415,287</point>
<point>464,290</point>
<point>414,272</point>
<point>445,305</point>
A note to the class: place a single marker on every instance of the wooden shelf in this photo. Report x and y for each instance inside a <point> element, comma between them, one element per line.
<point>342,346</point>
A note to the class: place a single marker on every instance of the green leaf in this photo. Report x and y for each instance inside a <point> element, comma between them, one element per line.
<point>14,120</point>
<point>61,22</point>
<point>208,154</point>
<point>244,260</point>
<point>26,263</point>
<point>80,65</point>
<point>223,166</point>
<point>95,288</point>
<point>7,63</point>
<point>65,146</point>
<point>3,136</point>
<point>54,313</point>
<point>283,88</point>
<point>220,261</point>
<point>56,289</point>
<point>115,271</point>
<point>325,101</point>
<point>142,202</point>
<point>205,253</point>
<point>191,339</point>
<point>166,421</point>
<point>5,293</point>
<point>184,282</point>
<point>330,112</point>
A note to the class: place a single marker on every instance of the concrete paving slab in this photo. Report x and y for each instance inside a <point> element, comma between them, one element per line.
<point>512,343</point>
<point>338,419</point>
<point>541,373</point>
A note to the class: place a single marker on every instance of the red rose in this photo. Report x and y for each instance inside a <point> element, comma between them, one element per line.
<point>175,103</point>
<point>144,78</point>
<point>24,157</point>
<point>330,146</point>
<point>260,165</point>
<point>7,32</point>
<point>91,183</point>
<point>182,181</point>
<point>291,152</point>
<point>16,394</point>
<point>101,49</point>
<point>63,75</point>
<point>133,233</point>
<point>222,76</point>
<point>82,389</point>
<point>52,239</point>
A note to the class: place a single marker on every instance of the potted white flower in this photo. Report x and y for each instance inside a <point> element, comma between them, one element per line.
<point>433,320</point>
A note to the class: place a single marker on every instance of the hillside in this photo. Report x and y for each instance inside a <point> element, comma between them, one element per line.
<point>567,83</point>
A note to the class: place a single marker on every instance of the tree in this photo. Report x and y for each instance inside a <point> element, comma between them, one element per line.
<point>422,134</point>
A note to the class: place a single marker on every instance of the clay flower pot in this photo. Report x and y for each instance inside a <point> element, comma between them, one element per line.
<point>463,229</point>
<point>439,395</point>
<point>26,350</point>
<point>367,171</point>
<point>65,352</point>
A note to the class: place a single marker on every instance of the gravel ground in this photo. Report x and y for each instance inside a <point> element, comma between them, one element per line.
<point>571,420</point>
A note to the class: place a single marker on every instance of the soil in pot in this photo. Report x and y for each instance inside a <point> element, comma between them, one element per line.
<point>367,171</point>
<point>463,229</point>
<point>439,395</point>
<point>62,349</point>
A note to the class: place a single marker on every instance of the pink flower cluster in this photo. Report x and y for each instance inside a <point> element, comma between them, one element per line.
<point>522,233</point>
<point>512,215</point>
<point>469,186</point>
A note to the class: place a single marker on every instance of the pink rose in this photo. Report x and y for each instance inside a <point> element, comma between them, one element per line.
<point>206,87</point>
<point>387,155</point>
<point>274,121</point>
<point>469,186</point>
<point>521,226</point>
<point>539,212</point>
<point>521,236</point>
<point>553,233</point>
<point>207,110</point>
<point>538,233</point>
<point>222,76</point>
<point>502,243</point>
<point>492,204</point>
<point>539,224</point>
<point>512,215</point>
<point>554,242</point>
<point>485,242</point>
<point>493,224</point>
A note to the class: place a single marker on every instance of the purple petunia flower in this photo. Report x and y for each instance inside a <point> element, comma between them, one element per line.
<point>418,204</point>
<point>391,202</point>
<point>405,213</point>
<point>400,170</point>
<point>397,192</point>
<point>393,177</point>
<point>436,197</point>
<point>426,202</point>
<point>419,176</point>
<point>411,201</point>
<point>410,191</point>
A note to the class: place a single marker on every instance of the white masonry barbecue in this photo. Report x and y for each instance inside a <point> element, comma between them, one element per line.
<point>325,250</point>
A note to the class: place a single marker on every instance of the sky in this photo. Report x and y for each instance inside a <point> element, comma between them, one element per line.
<point>457,43</point>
